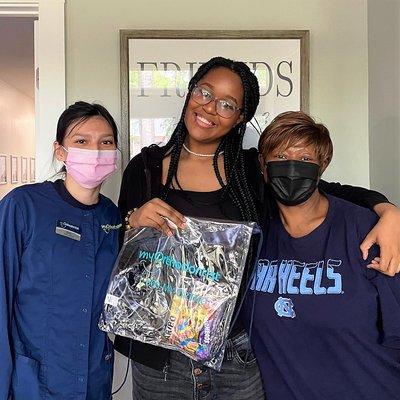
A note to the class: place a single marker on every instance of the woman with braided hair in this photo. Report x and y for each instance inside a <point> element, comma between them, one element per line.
<point>203,171</point>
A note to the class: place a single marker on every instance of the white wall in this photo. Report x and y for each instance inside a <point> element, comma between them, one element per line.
<point>384,95</point>
<point>17,130</point>
<point>339,64</point>
<point>16,53</point>
<point>17,108</point>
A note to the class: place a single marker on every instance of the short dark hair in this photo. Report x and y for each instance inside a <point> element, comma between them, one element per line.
<point>79,112</point>
<point>293,127</point>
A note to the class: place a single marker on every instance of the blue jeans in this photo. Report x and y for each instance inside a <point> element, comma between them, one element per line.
<point>239,378</point>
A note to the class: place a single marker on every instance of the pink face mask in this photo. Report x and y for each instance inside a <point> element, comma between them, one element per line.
<point>90,168</point>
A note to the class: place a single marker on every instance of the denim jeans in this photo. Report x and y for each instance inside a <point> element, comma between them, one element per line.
<point>185,379</point>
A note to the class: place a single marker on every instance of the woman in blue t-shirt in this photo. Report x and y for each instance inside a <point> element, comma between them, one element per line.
<point>322,324</point>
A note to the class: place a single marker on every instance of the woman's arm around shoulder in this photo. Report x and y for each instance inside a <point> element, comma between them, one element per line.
<point>386,233</point>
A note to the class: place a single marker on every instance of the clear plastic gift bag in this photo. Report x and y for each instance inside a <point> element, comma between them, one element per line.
<point>179,292</point>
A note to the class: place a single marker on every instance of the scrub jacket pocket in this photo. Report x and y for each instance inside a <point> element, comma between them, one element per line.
<point>27,379</point>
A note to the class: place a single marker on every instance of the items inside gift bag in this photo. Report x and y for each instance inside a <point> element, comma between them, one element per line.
<point>179,292</point>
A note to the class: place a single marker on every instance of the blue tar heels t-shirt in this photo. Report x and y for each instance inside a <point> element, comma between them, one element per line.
<point>324,326</point>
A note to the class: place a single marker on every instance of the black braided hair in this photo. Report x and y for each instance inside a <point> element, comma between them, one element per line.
<point>237,187</point>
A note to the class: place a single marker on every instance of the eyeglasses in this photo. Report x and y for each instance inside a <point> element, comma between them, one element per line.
<point>224,108</point>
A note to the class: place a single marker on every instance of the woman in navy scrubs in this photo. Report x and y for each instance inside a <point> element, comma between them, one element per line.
<point>58,244</point>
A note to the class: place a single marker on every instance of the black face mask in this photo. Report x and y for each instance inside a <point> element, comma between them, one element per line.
<point>292,182</point>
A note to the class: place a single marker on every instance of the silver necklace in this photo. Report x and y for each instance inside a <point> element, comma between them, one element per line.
<point>198,154</point>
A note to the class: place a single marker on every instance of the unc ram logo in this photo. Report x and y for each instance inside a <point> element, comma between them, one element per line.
<point>284,307</point>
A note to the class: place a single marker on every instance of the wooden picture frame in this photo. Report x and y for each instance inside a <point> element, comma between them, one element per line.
<point>268,53</point>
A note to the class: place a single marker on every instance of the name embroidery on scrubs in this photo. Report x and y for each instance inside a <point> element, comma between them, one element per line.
<point>107,228</point>
<point>68,230</point>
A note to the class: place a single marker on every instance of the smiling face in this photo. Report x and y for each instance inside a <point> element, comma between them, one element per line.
<point>202,121</point>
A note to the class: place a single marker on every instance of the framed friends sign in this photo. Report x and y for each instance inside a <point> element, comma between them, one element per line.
<point>156,67</point>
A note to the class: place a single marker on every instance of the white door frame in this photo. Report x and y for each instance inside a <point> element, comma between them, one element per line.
<point>50,65</point>
<point>19,8</point>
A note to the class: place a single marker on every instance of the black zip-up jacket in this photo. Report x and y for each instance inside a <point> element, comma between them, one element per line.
<point>141,182</point>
